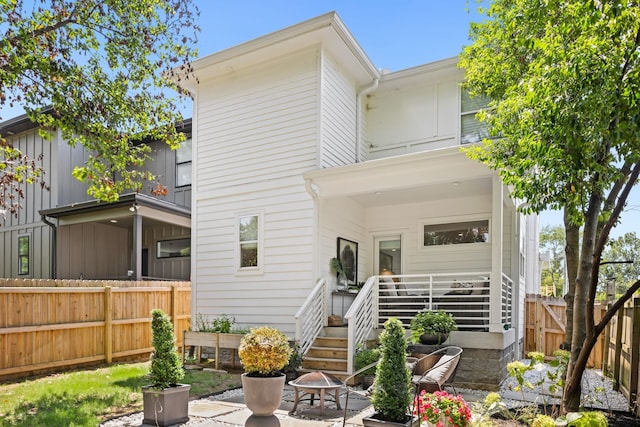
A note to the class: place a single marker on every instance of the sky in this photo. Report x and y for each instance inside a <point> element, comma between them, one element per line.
<point>395,35</point>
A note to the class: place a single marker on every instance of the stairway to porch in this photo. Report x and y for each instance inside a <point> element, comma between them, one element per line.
<point>328,353</point>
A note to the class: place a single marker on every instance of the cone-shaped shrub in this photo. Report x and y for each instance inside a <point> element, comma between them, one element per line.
<point>392,387</point>
<point>166,366</point>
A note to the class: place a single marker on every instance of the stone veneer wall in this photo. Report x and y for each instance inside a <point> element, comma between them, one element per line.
<point>481,369</point>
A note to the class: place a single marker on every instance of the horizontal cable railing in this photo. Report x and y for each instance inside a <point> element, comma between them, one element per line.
<point>310,318</point>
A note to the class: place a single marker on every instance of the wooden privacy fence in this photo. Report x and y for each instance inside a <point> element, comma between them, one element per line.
<point>48,325</point>
<point>622,359</point>
<point>545,322</point>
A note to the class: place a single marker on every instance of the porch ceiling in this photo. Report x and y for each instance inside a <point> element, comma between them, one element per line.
<point>438,174</point>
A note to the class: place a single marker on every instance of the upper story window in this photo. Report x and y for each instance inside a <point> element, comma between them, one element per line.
<point>249,244</point>
<point>456,233</point>
<point>471,129</point>
<point>183,164</point>
<point>23,254</point>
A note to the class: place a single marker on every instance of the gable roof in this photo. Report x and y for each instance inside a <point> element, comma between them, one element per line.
<point>327,30</point>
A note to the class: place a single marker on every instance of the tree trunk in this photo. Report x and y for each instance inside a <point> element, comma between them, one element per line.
<point>572,257</point>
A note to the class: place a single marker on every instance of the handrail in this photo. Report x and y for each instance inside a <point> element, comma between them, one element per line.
<point>362,318</point>
<point>311,316</point>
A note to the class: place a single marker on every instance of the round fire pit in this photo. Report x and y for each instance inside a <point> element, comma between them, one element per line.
<point>316,383</point>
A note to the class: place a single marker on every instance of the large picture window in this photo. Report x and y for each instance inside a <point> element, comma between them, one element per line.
<point>174,248</point>
<point>456,233</point>
<point>249,241</point>
<point>23,255</point>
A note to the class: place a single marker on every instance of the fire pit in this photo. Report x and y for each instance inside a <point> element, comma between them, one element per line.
<point>316,383</point>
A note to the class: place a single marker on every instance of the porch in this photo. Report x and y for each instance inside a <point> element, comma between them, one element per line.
<point>482,308</point>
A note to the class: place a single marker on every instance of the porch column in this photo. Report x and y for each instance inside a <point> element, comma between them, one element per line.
<point>497,235</point>
<point>137,247</point>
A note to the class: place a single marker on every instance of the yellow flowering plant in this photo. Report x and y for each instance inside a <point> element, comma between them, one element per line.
<point>264,351</point>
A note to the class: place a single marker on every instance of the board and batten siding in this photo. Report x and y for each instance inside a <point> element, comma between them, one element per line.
<point>338,115</point>
<point>28,221</point>
<point>414,119</point>
<point>257,132</point>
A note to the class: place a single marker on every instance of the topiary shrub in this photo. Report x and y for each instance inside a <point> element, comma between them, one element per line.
<point>264,351</point>
<point>166,366</point>
<point>392,395</point>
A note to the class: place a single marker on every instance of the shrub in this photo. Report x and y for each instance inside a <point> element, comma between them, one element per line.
<point>365,357</point>
<point>586,419</point>
<point>543,421</point>
<point>166,367</point>
<point>295,360</point>
<point>432,323</point>
<point>392,387</point>
<point>264,351</point>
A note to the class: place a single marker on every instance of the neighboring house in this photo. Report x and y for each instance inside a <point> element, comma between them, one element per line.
<point>64,234</point>
<point>299,140</point>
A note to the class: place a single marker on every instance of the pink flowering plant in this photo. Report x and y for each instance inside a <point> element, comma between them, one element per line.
<point>441,406</point>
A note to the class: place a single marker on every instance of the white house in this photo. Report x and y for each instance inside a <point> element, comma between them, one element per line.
<point>301,144</point>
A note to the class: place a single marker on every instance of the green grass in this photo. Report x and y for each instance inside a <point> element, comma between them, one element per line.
<point>85,398</point>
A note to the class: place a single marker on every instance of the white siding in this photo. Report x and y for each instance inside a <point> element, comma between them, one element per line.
<point>438,259</point>
<point>338,114</point>
<point>257,132</point>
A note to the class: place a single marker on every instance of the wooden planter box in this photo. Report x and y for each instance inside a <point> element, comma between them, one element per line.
<point>216,340</point>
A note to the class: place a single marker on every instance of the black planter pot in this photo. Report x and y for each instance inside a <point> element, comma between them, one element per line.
<point>433,339</point>
<point>374,421</point>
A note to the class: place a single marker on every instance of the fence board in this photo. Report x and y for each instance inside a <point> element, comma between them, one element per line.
<point>545,323</point>
<point>50,325</point>
<point>623,359</point>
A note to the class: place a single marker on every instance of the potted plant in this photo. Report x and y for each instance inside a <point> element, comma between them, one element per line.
<point>336,268</point>
<point>431,327</point>
<point>165,401</point>
<point>392,390</point>
<point>443,409</point>
<point>264,351</point>
<point>295,361</point>
<point>365,357</point>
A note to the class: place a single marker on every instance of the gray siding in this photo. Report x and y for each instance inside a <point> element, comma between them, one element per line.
<point>163,165</point>
<point>28,221</point>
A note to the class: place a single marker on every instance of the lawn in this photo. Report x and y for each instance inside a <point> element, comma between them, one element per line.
<point>85,398</point>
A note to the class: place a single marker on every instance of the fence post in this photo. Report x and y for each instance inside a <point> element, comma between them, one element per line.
<point>635,357</point>
<point>108,331</point>
<point>618,350</point>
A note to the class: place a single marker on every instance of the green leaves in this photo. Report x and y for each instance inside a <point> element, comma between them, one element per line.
<point>104,68</point>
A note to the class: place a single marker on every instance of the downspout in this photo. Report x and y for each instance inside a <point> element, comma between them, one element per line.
<point>54,245</point>
<point>365,91</point>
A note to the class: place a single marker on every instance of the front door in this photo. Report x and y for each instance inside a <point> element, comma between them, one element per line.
<point>388,255</point>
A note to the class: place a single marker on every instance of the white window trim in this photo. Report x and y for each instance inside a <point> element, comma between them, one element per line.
<point>260,267</point>
<point>453,220</point>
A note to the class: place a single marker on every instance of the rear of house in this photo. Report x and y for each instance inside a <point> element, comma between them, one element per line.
<point>304,151</point>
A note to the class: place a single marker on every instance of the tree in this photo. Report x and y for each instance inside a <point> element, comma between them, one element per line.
<point>552,242</point>
<point>563,80</point>
<point>106,73</point>
<point>621,256</point>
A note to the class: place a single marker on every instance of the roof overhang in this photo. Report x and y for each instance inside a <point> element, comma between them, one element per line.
<point>121,212</point>
<point>430,175</point>
<point>326,30</point>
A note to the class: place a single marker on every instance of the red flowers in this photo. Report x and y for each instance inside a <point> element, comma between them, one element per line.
<point>441,407</point>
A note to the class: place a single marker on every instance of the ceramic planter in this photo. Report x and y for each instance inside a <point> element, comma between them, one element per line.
<point>166,407</point>
<point>262,395</point>
<point>373,421</point>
